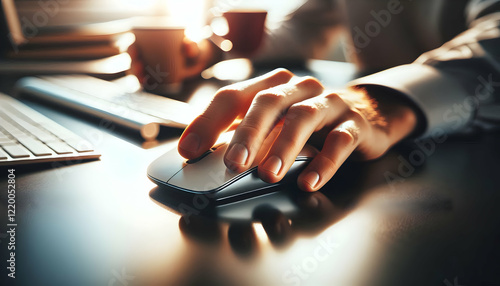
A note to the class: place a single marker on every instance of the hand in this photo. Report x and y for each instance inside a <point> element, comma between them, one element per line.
<point>199,56</point>
<point>342,122</point>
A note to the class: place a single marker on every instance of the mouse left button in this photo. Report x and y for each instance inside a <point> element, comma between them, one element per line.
<point>166,166</point>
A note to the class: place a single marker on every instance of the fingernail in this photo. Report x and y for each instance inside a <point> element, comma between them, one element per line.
<point>190,143</point>
<point>311,178</point>
<point>273,165</point>
<point>238,154</point>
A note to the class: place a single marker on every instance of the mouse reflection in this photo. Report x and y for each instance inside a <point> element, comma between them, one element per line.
<point>311,213</point>
<point>281,217</point>
<point>277,218</point>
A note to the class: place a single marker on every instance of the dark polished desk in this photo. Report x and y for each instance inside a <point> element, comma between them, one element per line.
<point>435,221</point>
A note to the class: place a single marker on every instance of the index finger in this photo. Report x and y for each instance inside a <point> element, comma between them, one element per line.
<point>228,104</point>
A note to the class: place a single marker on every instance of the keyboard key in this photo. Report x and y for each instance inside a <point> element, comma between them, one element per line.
<point>11,129</point>
<point>81,145</point>
<point>3,155</point>
<point>60,131</point>
<point>44,136</point>
<point>36,147</point>
<point>35,130</point>
<point>25,135</point>
<point>16,151</point>
<point>25,112</point>
<point>32,128</point>
<point>60,147</point>
<point>19,119</point>
<point>5,139</point>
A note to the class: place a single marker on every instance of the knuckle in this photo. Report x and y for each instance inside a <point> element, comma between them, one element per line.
<point>251,132</point>
<point>310,82</point>
<point>279,75</point>
<point>223,98</point>
<point>358,117</point>
<point>248,130</point>
<point>343,136</point>
<point>353,114</point>
<point>272,96</point>
<point>282,73</point>
<point>227,93</point>
<point>333,96</point>
<point>303,110</point>
<point>230,98</point>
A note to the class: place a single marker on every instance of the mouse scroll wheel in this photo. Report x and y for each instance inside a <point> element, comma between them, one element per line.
<point>194,160</point>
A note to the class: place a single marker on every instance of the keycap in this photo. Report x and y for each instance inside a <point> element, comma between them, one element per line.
<point>80,145</point>
<point>60,131</point>
<point>11,129</point>
<point>16,151</point>
<point>25,135</point>
<point>60,147</point>
<point>32,127</point>
<point>36,147</point>
<point>44,136</point>
<point>3,155</point>
<point>4,139</point>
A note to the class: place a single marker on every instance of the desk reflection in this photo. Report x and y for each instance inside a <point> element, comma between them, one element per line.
<point>368,230</point>
<point>283,215</point>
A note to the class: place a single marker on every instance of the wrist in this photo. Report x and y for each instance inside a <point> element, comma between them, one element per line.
<point>401,116</point>
<point>391,114</point>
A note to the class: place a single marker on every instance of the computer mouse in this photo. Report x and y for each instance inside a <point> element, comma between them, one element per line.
<point>208,175</point>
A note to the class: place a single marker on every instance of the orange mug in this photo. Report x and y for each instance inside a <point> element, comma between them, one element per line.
<point>245,30</point>
<point>157,54</point>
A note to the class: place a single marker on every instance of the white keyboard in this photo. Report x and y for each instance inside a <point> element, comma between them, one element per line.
<point>141,111</point>
<point>27,136</point>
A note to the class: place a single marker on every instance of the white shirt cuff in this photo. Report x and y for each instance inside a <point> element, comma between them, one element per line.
<point>445,104</point>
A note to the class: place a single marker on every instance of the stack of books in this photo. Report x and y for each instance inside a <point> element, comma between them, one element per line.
<point>94,48</point>
<point>91,41</point>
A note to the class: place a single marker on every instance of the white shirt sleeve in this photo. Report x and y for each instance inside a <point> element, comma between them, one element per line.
<point>454,85</point>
